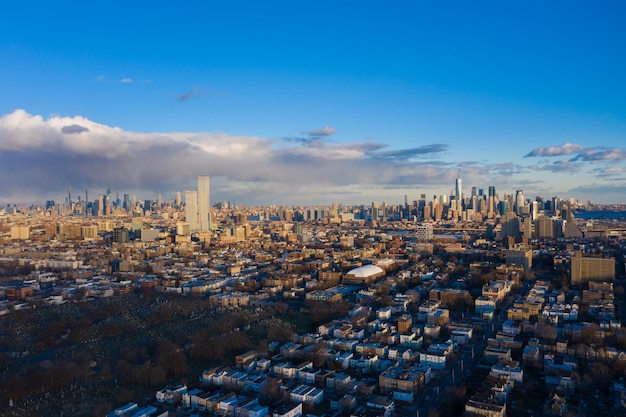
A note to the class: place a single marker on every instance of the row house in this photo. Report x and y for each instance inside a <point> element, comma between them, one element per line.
<point>291,350</point>
<point>427,308</point>
<point>342,403</point>
<point>380,406</point>
<point>245,358</point>
<point>437,354</point>
<point>511,371</point>
<point>402,383</point>
<point>307,375</point>
<point>126,410</point>
<point>193,398</point>
<point>344,359</point>
<point>288,409</point>
<point>340,382</point>
<point>432,331</point>
<point>251,408</point>
<point>497,353</point>
<point>285,370</point>
<point>365,363</point>
<point>440,317</point>
<point>171,395</point>
<point>383,314</point>
<point>226,406</point>
<point>372,349</point>
<point>524,310</point>
<point>346,332</point>
<point>487,407</point>
<point>343,344</point>
<point>210,376</point>
<point>412,340</point>
<point>401,354</point>
<point>485,306</point>
<point>306,394</point>
<point>462,335</point>
<point>235,379</point>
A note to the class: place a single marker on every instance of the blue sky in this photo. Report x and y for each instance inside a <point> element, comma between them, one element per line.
<point>308,103</point>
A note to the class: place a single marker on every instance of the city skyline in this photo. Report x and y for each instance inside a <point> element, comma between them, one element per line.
<point>309,105</point>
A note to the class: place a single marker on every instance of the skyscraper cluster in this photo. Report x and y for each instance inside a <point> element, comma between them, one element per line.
<point>197,205</point>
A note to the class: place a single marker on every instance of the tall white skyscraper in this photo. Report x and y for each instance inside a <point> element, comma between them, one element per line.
<point>203,203</point>
<point>191,209</point>
<point>459,189</point>
<point>519,201</point>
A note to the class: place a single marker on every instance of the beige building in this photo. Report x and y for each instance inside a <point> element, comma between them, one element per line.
<point>20,232</point>
<point>583,269</point>
<point>234,299</point>
<point>400,379</point>
<point>404,323</point>
<point>497,290</point>
<point>89,232</point>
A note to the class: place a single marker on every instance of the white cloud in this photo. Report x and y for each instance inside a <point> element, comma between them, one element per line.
<point>49,154</point>
<point>565,149</point>
<point>325,131</point>
<point>126,80</point>
<point>45,156</point>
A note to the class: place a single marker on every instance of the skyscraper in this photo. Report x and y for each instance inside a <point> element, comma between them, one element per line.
<point>519,201</point>
<point>492,199</point>
<point>203,203</point>
<point>191,209</point>
<point>375,207</point>
<point>459,189</point>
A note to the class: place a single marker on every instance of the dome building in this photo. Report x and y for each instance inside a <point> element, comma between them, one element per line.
<point>363,275</point>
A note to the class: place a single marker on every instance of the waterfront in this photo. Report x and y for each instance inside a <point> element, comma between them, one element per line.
<point>601,214</point>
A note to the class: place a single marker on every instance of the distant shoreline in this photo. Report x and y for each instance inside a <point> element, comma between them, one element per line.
<point>600,214</point>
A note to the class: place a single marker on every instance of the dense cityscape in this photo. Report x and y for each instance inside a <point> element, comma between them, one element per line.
<point>474,304</point>
<point>337,209</point>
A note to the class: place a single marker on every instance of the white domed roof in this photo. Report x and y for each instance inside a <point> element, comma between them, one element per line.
<point>366,271</point>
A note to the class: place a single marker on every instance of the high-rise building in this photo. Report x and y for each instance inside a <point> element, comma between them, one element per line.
<point>203,203</point>
<point>519,201</point>
<point>375,208</point>
<point>120,235</point>
<point>534,210</point>
<point>427,213</point>
<point>544,228</point>
<point>492,199</point>
<point>424,232</point>
<point>510,226</point>
<point>384,211</point>
<point>438,212</point>
<point>459,189</point>
<point>191,209</point>
<point>503,207</point>
<point>583,269</point>
<point>100,205</point>
<point>520,255</point>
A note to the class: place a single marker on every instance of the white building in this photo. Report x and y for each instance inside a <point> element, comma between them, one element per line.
<point>307,394</point>
<point>203,203</point>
